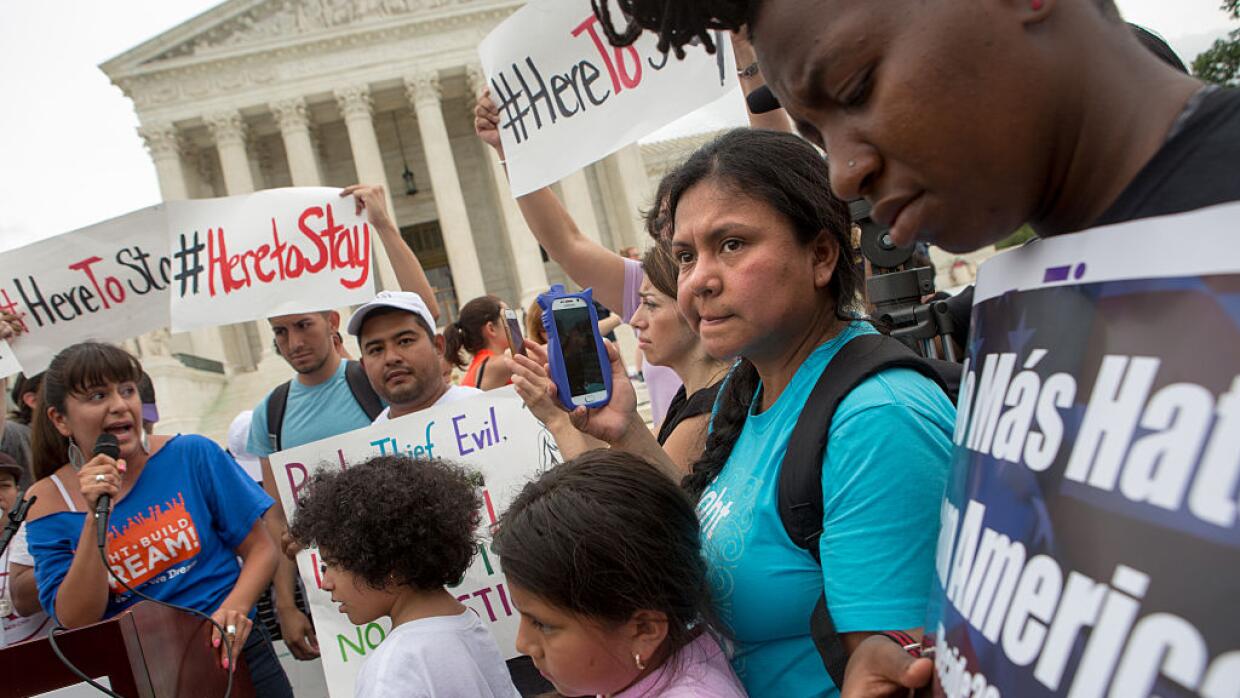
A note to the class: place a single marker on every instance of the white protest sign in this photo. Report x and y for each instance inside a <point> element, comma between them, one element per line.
<point>492,433</point>
<point>274,252</point>
<point>557,82</point>
<point>108,281</point>
<point>8,361</point>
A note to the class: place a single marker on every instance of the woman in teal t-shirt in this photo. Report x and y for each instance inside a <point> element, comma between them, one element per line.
<point>766,275</point>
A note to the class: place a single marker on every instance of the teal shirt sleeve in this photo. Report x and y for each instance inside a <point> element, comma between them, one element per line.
<point>259,443</point>
<point>884,475</point>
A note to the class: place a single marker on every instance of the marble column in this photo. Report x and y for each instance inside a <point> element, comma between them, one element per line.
<point>576,190</point>
<point>528,271</point>
<point>358,113</point>
<point>163,143</point>
<point>228,129</point>
<point>423,92</point>
<point>631,193</point>
<point>294,124</point>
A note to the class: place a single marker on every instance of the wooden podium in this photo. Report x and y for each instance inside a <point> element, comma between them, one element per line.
<point>149,651</point>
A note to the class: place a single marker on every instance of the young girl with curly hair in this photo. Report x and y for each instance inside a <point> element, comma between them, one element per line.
<point>392,534</point>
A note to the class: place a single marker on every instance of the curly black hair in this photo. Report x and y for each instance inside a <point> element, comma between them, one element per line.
<point>393,519</point>
<point>677,22</point>
<point>682,22</point>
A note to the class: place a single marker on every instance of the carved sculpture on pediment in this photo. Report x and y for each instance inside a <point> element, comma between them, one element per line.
<point>285,18</point>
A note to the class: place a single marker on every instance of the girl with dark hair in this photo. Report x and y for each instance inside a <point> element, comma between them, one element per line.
<point>183,512</point>
<point>25,397</point>
<point>480,332</point>
<point>764,276</point>
<point>602,558</point>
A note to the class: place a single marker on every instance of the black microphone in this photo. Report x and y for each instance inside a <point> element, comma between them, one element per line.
<point>105,445</point>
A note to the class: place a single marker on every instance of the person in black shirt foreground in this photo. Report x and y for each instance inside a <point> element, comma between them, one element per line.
<point>959,121</point>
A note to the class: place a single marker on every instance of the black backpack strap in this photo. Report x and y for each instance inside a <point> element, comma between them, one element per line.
<point>276,402</point>
<point>482,368</point>
<point>800,473</point>
<point>363,393</point>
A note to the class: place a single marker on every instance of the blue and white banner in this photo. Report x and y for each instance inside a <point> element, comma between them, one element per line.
<point>1090,543</point>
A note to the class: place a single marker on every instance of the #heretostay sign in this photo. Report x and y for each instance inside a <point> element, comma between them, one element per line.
<point>558,83</point>
<point>186,264</point>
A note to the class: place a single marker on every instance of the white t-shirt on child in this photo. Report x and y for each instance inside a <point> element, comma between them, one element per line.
<point>438,657</point>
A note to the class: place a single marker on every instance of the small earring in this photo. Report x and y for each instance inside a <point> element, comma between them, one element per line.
<point>76,459</point>
<point>637,659</point>
<point>852,163</point>
<point>146,442</point>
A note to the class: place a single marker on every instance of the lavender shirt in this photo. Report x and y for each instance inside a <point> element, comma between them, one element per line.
<point>702,671</point>
<point>661,381</point>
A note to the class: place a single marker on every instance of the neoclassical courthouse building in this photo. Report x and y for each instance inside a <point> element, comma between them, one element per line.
<point>256,94</point>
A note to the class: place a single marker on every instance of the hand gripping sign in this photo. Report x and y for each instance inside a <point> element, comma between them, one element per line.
<point>557,81</point>
<point>1090,544</point>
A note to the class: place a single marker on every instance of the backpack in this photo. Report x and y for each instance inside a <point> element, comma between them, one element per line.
<point>359,385</point>
<point>800,473</point>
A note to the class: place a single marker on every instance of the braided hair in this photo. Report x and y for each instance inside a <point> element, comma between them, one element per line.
<point>677,22</point>
<point>790,176</point>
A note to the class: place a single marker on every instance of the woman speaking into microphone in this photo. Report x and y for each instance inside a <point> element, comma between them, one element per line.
<point>182,513</point>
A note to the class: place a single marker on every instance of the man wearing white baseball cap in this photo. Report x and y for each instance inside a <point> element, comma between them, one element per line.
<point>401,353</point>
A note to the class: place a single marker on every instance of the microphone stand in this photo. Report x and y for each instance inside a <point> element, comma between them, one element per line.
<point>16,517</point>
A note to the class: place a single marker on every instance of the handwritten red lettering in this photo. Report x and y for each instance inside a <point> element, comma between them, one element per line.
<point>614,60</point>
<point>114,289</point>
<point>336,248</point>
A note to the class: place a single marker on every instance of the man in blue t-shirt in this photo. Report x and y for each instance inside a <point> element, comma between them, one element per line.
<point>319,405</point>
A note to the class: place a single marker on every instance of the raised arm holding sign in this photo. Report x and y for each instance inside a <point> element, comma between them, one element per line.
<point>556,81</point>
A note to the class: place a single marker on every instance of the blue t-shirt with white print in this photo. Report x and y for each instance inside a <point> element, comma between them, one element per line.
<point>173,537</point>
<point>883,477</point>
<point>313,413</point>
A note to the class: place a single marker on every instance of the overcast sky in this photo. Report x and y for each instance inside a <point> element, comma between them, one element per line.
<point>71,156</point>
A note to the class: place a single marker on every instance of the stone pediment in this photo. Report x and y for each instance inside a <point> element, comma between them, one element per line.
<point>238,23</point>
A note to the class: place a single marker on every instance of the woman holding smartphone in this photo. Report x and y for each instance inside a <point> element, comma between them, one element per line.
<point>764,277</point>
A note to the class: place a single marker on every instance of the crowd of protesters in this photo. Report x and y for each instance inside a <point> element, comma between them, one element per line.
<point>652,561</point>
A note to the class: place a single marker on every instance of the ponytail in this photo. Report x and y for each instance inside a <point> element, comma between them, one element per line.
<point>735,399</point>
<point>465,335</point>
<point>49,449</point>
<point>453,344</point>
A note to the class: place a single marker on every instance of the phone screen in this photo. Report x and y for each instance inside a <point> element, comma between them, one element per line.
<point>581,360</point>
<point>515,341</point>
